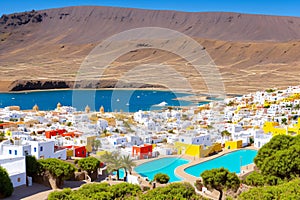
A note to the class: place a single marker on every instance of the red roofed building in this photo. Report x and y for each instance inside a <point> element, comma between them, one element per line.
<point>52,133</point>
<point>143,151</point>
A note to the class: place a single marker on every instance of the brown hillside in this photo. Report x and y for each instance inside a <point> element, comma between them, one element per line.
<point>251,51</point>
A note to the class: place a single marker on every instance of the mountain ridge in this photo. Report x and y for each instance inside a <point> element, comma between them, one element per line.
<point>251,51</point>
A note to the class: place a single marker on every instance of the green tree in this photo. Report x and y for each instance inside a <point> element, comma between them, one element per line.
<point>6,186</point>
<point>89,164</point>
<point>290,190</point>
<point>284,121</point>
<point>112,161</point>
<point>225,133</point>
<point>99,191</point>
<point>93,191</point>
<point>123,190</point>
<point>220,179</point>
<point>96,145</point>
<point>161,178</point>
<point>60,195</point>
<point>56,170</point>
<point>280,157</point>
<point>182,191</point>
<point>283,164</point>
<point>127,164</point>
<point>2,136</point>
<point>31,166</point>
<point>255,179</point>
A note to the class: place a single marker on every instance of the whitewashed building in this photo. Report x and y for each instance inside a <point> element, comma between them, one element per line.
<point>16,168</point>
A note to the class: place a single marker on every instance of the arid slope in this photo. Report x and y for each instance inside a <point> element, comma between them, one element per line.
<point>251,51</point>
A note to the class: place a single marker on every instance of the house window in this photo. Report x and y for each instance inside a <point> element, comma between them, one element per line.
<point>34,149</point>
<point>9,151</point>
<point>16,152</point>
<point>197,140</point>
<point>19,179</point>
<point>41,148</point>
<point>182,140</point>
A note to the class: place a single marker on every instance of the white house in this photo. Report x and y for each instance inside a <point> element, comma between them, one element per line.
<point>117,140</point>
<point>135,140</point>
<point>16,168</point>
<point>260,139</point>
<point>203,139</point>
<point>102,124</point>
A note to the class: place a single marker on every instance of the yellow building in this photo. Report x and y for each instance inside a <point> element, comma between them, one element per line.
<point>271,127</point>
<point>197,150</point>
<point>234,144</point>
<point>89,143</point>
<point>70,152</point>
<point>188,149</point>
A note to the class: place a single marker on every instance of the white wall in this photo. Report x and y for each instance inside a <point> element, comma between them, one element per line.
<point>16,168</point>
<point>42,149</point>
<point>61,154</point>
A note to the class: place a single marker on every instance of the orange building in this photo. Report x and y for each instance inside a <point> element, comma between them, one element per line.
<point>143,151</point>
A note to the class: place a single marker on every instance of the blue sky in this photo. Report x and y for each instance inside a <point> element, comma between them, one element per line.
<point>269,7</point>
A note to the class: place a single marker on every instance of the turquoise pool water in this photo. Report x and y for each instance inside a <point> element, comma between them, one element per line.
<point>163,165</point>
<point>121,173</point>
<point>231,161</point>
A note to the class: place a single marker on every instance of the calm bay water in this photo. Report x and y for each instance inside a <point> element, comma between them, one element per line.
<point>112,100</point>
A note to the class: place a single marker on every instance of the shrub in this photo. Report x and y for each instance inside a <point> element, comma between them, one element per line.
<point>31,166</point>
<point>290,190</point>
<point>183,191</point>
<point>6,186</point>
<point>64,194</point>
<point>255,179</point>
<point>161,178</point>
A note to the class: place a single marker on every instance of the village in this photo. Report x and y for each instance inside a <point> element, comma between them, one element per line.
<point>196,132</point>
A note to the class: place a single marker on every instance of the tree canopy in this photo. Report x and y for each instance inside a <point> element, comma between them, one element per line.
<point>161,178</point>
<point>31,166</point>
<point>6,186</point>
<point>115,161</point>
<point>289,190</point>
<point>103,191</point>
<point>56,169</point>
<point>183,191</point>
<point>89,164</point>
<point>280,157</point>
<point>258,179</point>
<point>220,179</point>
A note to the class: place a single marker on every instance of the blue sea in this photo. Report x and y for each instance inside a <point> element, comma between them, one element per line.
<point>112,100</point>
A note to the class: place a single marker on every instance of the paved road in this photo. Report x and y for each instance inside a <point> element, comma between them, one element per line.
<point>38,191</point>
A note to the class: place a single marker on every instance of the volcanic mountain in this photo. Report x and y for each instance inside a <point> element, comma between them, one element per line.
<point>44,49</point>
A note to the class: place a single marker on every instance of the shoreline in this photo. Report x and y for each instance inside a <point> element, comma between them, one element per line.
<point>97,89</point>
<point>191,96</point>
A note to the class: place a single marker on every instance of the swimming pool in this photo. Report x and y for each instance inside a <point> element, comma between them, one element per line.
<point>163,165</point>
<point>121,173</point>
<point>231,161</point>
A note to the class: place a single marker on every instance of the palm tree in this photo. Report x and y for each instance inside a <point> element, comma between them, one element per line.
<point>226,133</point>
<point>127,164</point>
<point>112,161</point>
<point>96,144</point>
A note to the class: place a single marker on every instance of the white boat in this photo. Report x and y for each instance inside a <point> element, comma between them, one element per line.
<point>162,104</point>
